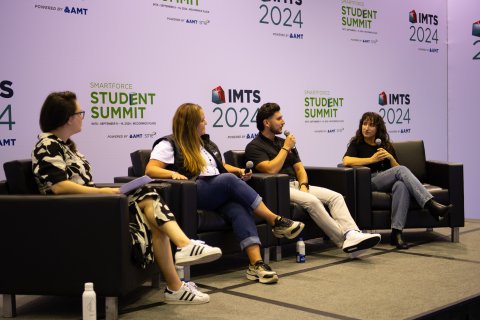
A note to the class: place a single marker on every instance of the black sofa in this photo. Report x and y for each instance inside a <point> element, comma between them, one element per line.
<point>53,244</point>
<point>444,180</point>
<point>340,180</point>
<point>205,225</point>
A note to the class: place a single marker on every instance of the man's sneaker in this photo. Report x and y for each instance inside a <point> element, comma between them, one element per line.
<point>287,228</point>
<point>187,294</point>
<point>261,272</point>
<point>360,241</point>
<point>196,252</point>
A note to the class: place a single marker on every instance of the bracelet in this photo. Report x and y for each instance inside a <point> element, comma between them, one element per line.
<point>285,149</point>
<point>304,184</point>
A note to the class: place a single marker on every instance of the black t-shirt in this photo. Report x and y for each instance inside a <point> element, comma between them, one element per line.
<point>364,150</point>
<point>263,149</point>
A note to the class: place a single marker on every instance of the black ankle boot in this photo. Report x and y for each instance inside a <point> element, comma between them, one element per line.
<point>396,239</point>
<point>437,210</point>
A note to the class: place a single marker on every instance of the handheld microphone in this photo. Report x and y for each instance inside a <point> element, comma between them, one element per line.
<point>248,167</point>
<point>287,133</point>
<point>378,142</point>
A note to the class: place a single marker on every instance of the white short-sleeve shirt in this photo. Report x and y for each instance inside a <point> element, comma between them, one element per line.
<point>163,152</point>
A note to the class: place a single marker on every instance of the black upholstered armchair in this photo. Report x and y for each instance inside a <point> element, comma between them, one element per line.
<point>340,180</point>
<point>205,225</point>
<point>53,244</point>
<point>443,180</point>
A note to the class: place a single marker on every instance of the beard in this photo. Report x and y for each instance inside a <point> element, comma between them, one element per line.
<point>276,130</point>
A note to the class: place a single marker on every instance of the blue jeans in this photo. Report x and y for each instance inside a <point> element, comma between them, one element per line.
<point>401,182</point>
<point>234,199</point>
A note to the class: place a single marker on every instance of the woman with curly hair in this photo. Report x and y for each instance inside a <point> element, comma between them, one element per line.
<point>371,147</point>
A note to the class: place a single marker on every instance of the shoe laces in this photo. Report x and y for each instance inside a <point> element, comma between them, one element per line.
<point>200,242</point>
<point>262,265</point>
<point>192,286</point>
<point>283,222</point>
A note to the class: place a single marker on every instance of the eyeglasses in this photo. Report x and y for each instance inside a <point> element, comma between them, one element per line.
<point>82,113</point>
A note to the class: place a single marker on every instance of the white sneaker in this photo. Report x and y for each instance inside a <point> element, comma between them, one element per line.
<point>196,252</point>
<point>187,294</point>
<point>360,241</point>
<point>262,272</point>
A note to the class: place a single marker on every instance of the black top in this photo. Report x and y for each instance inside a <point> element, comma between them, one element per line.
<point>364,150</point>
<point>53,161</point>
<point>263,149</point>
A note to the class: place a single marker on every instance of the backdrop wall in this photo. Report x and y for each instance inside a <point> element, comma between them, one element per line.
<point>464,95</point>
<point>132,63</point>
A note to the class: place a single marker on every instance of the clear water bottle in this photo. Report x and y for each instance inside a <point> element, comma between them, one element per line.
<point>300,250</point>
<point>89,303</point>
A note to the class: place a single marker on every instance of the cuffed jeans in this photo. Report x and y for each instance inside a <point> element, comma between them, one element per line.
<point>234,199</point>
<point>336,225</point>
<point>401,182</point>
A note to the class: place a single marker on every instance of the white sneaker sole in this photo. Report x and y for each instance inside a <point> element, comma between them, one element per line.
<point>366,243</point>
<point>204,258</point>
<point>292,235</point>
<point>186,302</point>
<point>273,279</point>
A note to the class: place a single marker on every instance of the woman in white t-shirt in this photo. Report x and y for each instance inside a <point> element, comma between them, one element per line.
<point>190,154</point>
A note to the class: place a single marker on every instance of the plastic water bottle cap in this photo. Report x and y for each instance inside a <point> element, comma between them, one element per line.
<point>88,286</point>
<point>300,239</point>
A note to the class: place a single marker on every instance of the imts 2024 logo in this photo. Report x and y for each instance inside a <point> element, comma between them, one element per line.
<point>423,30</point>
<point>423,18</point>
<point>476,29</point>
<point>235,95</point>
<point>240,113</point>
<point>395,115</point>
<point>394,98</point>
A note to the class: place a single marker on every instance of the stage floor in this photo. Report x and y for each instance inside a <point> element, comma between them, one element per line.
<point>431,276</point>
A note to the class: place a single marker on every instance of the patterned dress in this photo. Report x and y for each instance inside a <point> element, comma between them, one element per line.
<point>55,161</point>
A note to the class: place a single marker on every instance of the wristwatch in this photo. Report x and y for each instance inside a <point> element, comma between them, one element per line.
<point>304,184</point>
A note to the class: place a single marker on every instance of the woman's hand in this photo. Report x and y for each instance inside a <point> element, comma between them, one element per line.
<point>178,176</point>
<point>380,155</point>
<point>109,190</point>
<point>245,176</point>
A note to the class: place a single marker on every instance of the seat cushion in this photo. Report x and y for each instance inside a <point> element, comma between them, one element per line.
<point>383,200</point>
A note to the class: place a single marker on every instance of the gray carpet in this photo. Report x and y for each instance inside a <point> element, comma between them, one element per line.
<point>383,284</point>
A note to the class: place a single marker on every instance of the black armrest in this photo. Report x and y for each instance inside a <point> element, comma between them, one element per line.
<point>86,238</point>
<point>3,187</point>
<point>340,180</point>
<point>266,186</point>
<point>449,176</point>
<point>123,179</point>
<point>363,197</point>
<point>183,203</point>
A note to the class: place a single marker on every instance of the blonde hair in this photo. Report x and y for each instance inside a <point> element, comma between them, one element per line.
<point>184,126</point>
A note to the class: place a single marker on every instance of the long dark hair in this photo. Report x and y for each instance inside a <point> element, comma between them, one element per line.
<point>378,122</point>
<point>56,110</point>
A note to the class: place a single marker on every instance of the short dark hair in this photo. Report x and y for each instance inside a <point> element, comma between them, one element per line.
<point>266,111</point>
<point>57,109</point>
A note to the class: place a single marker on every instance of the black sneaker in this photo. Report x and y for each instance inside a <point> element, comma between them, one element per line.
<point>287,228</point>
<point>262,272</point>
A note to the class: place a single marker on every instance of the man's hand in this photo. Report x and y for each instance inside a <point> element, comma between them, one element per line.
<point>290,142</point>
